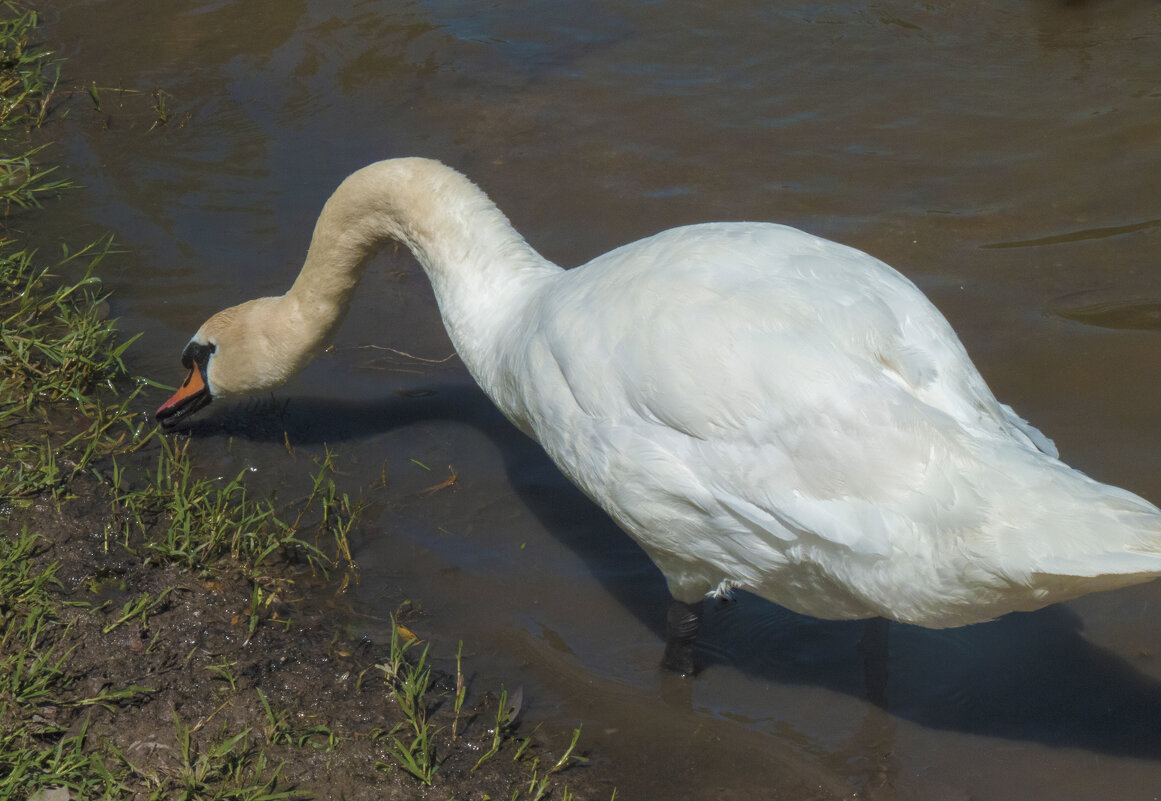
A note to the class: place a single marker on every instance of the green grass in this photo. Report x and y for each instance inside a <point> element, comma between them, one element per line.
<point>71,764</point>
<point>29,76</point>
<point>58,344</point>
<point>57,350</point>
<point>277,729</point>
<point>29,664</point>
<point>138,608</point>
<point>411,744</point>
<point>414,745</point>
<point>33,754</point>
<point>193,521</point>
<point>26,91</point>
<point>227,767</point>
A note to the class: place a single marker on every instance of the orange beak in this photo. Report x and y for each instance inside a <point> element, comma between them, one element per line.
<point>192,395</point>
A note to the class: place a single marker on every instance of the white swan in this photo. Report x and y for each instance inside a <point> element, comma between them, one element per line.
<point>757,407</point>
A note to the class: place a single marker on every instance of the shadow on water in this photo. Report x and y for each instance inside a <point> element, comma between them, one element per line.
<point>1028,676</point>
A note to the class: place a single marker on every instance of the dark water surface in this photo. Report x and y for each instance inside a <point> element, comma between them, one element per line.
<point>1005,155</point>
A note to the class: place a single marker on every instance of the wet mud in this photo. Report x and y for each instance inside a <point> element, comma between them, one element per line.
<point>297,683</point>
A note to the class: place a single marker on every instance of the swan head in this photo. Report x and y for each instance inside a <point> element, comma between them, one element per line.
<point>243,349</point>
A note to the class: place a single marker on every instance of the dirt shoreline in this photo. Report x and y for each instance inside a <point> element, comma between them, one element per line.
<point>189,666</point>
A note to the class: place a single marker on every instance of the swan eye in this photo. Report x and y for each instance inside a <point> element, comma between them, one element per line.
<point>197,353</point>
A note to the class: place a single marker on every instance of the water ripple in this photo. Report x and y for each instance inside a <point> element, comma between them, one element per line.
<point>1090,308</point>
<point>1081,235</point>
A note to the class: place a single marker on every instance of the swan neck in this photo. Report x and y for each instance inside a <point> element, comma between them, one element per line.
<point>480,268</point>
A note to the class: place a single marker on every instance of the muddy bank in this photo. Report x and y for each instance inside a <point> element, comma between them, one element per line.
<point>188,688</point>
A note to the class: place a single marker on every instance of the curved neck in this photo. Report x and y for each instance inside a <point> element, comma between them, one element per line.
<point>478,265</point>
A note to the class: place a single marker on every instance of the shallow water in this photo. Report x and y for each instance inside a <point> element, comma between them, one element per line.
<point>1003,155</point>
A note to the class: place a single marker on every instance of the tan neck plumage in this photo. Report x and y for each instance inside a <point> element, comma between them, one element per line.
<point>479,266</point>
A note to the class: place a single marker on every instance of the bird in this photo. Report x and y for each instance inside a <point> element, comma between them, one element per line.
<point>759,408</point>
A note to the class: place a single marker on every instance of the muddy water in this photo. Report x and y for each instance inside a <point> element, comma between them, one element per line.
<point>1006,156</point>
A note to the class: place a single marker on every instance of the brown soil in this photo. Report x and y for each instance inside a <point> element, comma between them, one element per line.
<point>297,656</point>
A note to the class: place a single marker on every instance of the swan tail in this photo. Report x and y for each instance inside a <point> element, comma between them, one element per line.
<point>1060,530</point>
<point>1119,568</point>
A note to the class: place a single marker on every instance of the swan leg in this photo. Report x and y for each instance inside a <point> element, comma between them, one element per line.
<point>681,625</point>
<point>874,648</point>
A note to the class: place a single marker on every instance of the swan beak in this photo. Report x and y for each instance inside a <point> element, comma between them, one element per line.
<point>193,394</point>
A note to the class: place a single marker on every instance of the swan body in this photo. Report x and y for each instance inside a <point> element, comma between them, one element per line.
<point>758,407</point>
